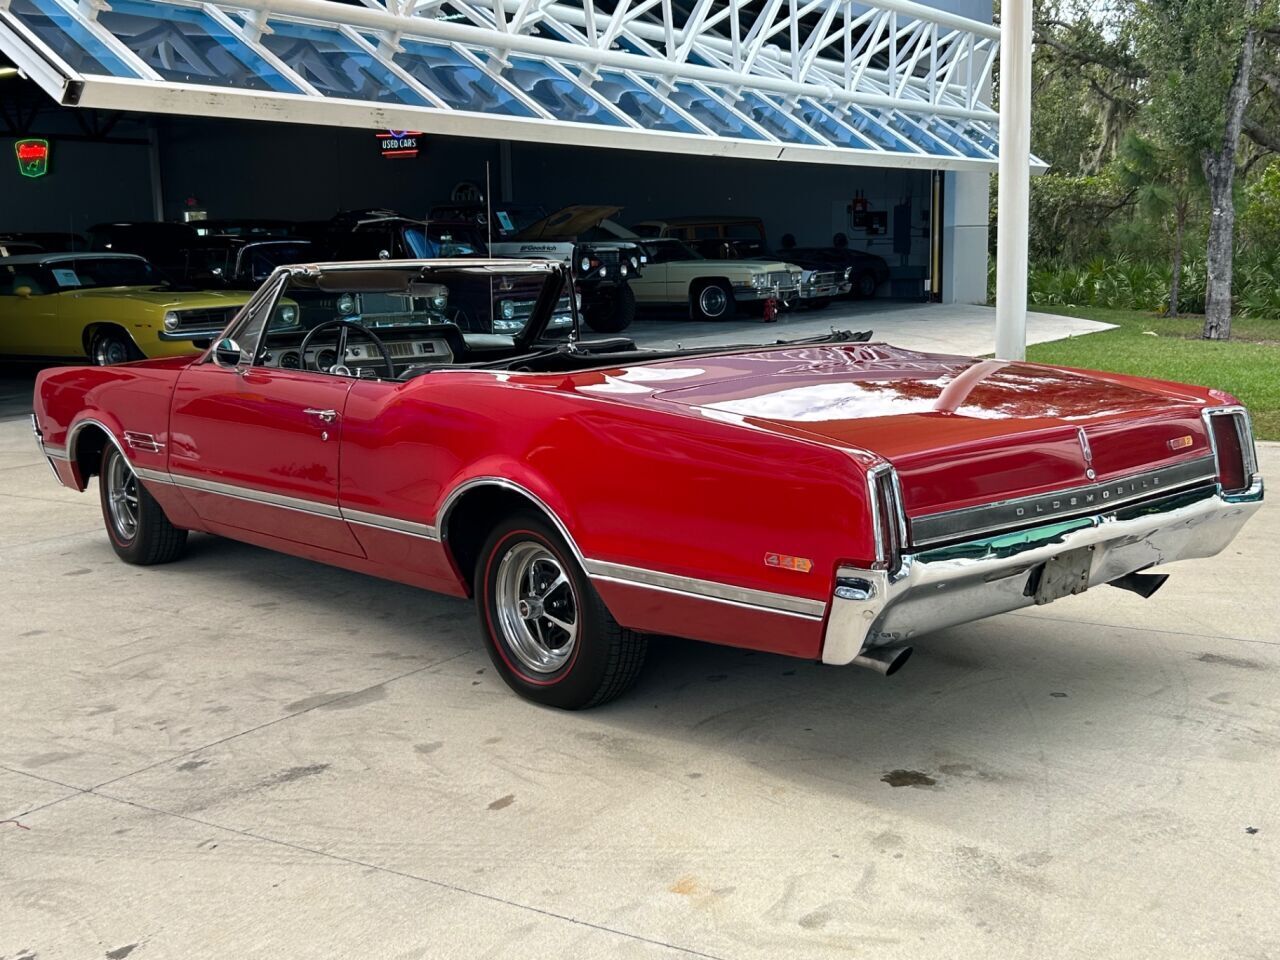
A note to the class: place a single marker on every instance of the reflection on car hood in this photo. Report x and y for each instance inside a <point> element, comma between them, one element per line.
<point>164,298</point>
<point>958,429</point>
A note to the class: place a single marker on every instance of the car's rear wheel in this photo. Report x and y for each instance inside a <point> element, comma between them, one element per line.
<point>613,312</point>
<point>547,631</point>
<point>140,532</point>
<point>110,346</point>
<point>712,300</point>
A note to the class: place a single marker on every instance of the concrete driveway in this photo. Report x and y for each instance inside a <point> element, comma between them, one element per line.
<point>245,755</point>
<point>967,329</point>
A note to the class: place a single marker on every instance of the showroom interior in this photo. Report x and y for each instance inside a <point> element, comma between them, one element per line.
<point>147,154</point>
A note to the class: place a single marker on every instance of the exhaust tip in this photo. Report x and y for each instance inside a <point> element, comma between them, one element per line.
<point>1143,584</point>
<point>885,661</point>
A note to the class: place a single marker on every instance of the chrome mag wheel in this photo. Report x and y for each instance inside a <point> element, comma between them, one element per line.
<point>712,300</point>
<point>122,498</point>
<point>537,607</point>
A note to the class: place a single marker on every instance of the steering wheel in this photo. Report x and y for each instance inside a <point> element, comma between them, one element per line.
<point>344,330</point>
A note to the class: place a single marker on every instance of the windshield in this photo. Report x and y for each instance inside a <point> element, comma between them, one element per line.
<point>442,241</point>
<point>257,260</point>
<point>480,300</point>
<point>90,272</point>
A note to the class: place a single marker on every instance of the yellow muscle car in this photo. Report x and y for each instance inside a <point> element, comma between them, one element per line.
<point>109,307</point>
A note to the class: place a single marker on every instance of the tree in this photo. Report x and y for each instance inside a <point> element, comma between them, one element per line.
<point>1166,179</point>
<point>1199,57</point>
<point>1086,82</point>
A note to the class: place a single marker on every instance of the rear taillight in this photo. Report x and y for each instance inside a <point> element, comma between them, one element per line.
<point>1233,447</point>
<point>889,520</point>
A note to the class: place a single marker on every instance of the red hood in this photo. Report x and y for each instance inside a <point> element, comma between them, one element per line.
<point>960,431</point>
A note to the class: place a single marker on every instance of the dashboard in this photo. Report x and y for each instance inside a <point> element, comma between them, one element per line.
<point>362,354</point>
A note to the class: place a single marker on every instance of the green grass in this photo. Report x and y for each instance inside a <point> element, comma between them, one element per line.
<point>1247,365</point>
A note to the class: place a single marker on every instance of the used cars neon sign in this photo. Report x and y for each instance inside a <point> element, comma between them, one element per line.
<point>399,143</point>
<point>33,157</point>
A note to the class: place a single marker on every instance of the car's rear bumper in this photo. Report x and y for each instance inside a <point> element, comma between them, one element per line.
<point>949,585</point>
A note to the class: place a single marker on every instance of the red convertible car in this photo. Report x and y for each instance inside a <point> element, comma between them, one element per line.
<point>829,499</point>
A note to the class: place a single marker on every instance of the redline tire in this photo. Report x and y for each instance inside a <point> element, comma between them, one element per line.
<point>521,620</point>
<point>137,527</point>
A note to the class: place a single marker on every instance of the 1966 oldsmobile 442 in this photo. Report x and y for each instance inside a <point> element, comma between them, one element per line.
<point>828,499</point>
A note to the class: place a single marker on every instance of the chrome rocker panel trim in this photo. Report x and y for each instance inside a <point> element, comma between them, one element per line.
<point>947,586</point>
<point>706,590</point>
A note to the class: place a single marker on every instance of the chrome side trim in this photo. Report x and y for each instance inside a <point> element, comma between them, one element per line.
<point>145,442</point>
<point>54,452</point>
<point>87,422</point>
<point>378,521</point>
<point>155,476</point>
<point>1059,504</point>
<point>706,589</point>
<point>442,515</point>
<point>252,495</point>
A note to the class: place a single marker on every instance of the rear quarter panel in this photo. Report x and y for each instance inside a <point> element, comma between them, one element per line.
<point>671,491</point>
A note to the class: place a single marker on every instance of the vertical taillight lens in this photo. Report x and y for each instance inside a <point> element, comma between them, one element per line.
<point>1233,442</point>
<point>889,518</point>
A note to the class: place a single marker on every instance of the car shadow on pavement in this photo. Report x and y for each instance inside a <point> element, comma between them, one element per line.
<point>973,704</point>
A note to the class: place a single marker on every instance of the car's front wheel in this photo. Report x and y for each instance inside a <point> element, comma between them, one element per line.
<point>139,530</point>
<point>110,346</point>
<point>613,312</point>
<point>712,300</point>
<point>865,285</point>
<point>547,631</point>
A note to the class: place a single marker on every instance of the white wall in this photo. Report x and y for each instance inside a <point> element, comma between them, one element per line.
<point>964,237</point>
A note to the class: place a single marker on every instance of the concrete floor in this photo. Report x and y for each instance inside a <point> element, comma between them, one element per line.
<point>245,755</point>
<point>966,329</point>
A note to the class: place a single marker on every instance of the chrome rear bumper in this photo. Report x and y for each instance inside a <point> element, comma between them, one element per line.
<point>949,585</point>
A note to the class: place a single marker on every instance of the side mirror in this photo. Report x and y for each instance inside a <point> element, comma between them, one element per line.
<point>23,293</point>
<point>227,353</point>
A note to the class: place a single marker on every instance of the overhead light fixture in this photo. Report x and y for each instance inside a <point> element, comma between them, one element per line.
<point>6,72</point>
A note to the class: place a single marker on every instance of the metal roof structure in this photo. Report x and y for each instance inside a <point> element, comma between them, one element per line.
<point>892,83</point>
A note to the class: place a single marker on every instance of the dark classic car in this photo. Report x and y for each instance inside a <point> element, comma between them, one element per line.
<point>239,262</point>
<point>830,499</point>
<point>866,270</point>
<point>161,243</point>
<point>602,265</point>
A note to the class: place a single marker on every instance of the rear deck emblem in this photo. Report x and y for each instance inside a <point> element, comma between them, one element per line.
<point>1087,451</point>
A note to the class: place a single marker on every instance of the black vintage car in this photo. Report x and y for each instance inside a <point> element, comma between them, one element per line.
<point>601,265</point>
<point>866,270</point>
<point>239,262</point>
<point>161,243</point>
<point>388,235</point>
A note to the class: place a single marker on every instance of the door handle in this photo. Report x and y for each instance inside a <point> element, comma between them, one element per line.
<point>328,416</point>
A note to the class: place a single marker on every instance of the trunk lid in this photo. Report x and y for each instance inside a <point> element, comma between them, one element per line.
<point>960,432</point>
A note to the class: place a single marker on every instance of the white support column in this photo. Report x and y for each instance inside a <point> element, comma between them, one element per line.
<point>1015,179</point>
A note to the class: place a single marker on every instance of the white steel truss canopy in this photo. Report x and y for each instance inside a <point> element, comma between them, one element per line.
<point>893,83</point>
